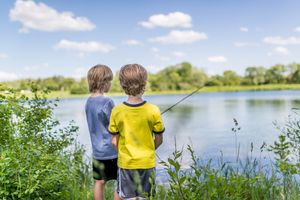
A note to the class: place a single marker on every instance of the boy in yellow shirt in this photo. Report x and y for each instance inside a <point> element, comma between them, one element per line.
<point>137,128</point>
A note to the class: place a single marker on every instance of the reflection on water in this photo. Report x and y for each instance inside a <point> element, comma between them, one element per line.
<point>295,103</point>
<point>205,120</point>
<point>266,102</point>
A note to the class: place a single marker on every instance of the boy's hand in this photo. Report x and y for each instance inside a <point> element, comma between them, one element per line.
<point>158,139</point>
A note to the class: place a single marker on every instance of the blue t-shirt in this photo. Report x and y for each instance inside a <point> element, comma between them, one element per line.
<point>98,111</point>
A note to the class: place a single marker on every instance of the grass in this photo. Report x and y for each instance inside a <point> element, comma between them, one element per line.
<point>66,94</point>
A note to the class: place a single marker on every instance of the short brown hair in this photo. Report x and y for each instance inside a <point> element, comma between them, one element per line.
<point>99,78</point>
<point>133,79</point>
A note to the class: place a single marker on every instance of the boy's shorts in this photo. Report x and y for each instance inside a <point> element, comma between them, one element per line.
<point>136,183</point>
<point>105,169</point>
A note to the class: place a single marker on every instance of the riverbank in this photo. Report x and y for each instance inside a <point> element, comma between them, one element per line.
<point>66,94</point>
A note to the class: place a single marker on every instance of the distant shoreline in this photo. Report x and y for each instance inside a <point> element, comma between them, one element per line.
<point>66,94</point>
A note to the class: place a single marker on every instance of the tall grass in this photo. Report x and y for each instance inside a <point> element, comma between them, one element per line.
<point>239,180</point>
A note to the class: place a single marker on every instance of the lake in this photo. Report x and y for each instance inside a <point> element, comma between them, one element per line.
<point>205,121</point>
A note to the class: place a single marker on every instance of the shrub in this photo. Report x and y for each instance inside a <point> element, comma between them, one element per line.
<point>39,159</point>
<point>79,89</point>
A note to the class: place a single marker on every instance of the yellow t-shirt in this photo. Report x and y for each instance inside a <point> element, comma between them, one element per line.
<point>135,125</point>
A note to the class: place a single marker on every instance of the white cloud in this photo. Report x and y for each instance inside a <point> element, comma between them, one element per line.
<point>3,56</point>
<point>217,59</point>
<point>132,42</point>
<point>79,73</point>
<point>278,40</point>
<point>154,68</point>
<point>5,76</point>
<point>297,29</point>
<point>171,20</point>
<point>154,49</point>
<point>244,29</point>
<point>39,16</point>
<point>162,58</point>
<point>245,44</point>
<point>84,47</point>
<point>178,54</point>
<point>36,67</point>
<point>279,51</point>
<point>180,37</point>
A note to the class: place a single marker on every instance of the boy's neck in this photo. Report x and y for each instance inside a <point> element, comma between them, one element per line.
<point>96,94</point>
<point>135,99</point>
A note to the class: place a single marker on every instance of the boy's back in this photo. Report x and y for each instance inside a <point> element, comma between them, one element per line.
<point>136,124</point>
<point>137,130</point>
<point>98,111</point>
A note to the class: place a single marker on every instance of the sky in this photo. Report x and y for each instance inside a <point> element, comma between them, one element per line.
<point>64,37</point>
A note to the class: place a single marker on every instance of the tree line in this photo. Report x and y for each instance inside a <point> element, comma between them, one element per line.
<point>182,76</point>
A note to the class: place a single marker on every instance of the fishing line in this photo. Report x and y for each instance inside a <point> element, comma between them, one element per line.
<point>181,100</point>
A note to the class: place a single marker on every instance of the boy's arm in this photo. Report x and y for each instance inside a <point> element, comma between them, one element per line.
<point>158,128</point>
<point>114,141</point>
<point>158,140</point>
<point>113,130</point>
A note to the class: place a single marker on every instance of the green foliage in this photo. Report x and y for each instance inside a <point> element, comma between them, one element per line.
<point>275,74</point>
<point>232,181</point>
<point>287,153</point>
<point>182,76</point>
<point>80,88</point>
<point>249,179</point>
<point>215,81</point>
<point>295,78</point>
<point>231,78</point>
<point>115,84</point>
<point>179,77</point>
<point>39,159</point>
<point>287,147</point>
<point>255,75</point>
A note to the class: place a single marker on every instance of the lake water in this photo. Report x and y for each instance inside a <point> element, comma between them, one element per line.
<point>205,120</point>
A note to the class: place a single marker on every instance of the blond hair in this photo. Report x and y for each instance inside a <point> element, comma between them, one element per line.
<point>99,78</point>
<point>133,79</point>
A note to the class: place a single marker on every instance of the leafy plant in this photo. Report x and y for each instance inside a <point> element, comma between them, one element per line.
<point>39,159</point>
<point>251,178</point>
<point>287,151</point>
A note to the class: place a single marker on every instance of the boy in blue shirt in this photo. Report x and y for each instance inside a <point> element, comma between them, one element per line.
<point>98,109</point>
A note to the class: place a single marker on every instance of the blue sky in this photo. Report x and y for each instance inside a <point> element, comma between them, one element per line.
<point>60,37</point>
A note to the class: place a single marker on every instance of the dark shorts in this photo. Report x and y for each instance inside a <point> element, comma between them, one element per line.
<point>136,183</point>
<point>105,169</point>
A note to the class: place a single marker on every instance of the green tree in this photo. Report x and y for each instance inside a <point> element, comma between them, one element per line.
<point>67,83</point>
<point>115,84</point>
<point>256,75</point>
<point>296,77</point>
<point>182,76</point>
<point>275,74</point>
<point>199,77</point>
<point>231,78</point>
<point>80,87</point>
<point>185,71</point>
<point>50,84</point>
<point>292,76</point>
<point>215,80</point>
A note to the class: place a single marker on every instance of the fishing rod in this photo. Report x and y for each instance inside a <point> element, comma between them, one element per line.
<point>195,91</point>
